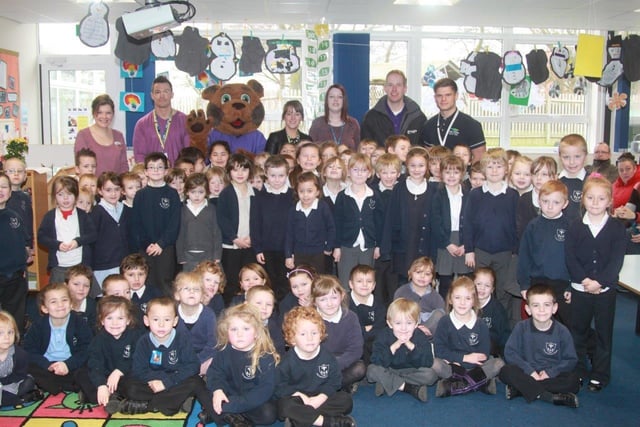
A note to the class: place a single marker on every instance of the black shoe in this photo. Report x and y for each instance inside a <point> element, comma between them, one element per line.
<point>237,420</point>
<point>134,407</point>
<point>338,421</point>
<point>205,418</point>
<point>417,391</point>
<point>594,386</point>
<point>511,392</point>
<point>33,396</point>
<point>114,404</point>
<point>565,399</point>
<point>489,387</point>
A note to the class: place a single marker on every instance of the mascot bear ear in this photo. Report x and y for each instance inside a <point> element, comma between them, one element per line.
<point>256,86</point>
<point>209,92</point>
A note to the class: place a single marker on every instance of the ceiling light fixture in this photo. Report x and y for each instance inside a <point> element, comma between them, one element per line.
<point>426,2</point>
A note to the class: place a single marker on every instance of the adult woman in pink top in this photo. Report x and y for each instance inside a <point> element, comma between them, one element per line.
<point>107,143</point>
<point>336,124</point>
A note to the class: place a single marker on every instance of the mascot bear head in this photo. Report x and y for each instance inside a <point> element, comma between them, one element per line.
<point>235,108</point>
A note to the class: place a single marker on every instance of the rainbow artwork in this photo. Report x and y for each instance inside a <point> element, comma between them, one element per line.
<point>205,79</point>
<point>132,102</point>
<point>130,70</point>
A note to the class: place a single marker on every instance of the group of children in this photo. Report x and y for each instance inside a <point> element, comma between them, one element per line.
<point>270,254</point>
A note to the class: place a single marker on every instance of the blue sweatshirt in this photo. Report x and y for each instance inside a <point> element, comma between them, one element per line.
<point>156,218</point>
<point>453,344</point>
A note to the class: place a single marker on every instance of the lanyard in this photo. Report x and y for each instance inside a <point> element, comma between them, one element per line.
<point>444,141</point>
<point>333,134</point>
<point>162,136</point>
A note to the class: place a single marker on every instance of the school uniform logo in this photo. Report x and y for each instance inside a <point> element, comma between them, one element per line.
<point>474,338</point>
<point>248,373</point>
<point>74,341</point>
<point>173,357</point>
<point>560,234</point>
<point>550,348</point>
<point>488,321</point>
<point>323,371</point>
<point>165,203</point>
<point>126,353</point>
<point>14,222</point>
<point>372,204</point>
<point>576,196</point>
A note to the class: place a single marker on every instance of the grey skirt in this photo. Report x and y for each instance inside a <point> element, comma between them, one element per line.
<point>447,264</point>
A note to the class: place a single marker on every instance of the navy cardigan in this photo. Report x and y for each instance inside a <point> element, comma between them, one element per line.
<point>227,213</point>
<point>350,220</point>
<point>441,219</point>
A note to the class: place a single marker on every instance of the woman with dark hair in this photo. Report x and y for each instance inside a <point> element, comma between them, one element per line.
<point>292,115</point>
<point>628,178</point>
<point>336,124</point>
<point>107,143</point>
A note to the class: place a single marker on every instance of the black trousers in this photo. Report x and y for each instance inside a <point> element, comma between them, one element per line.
<point>566,382</point>
<point>601,309</point>
<point>386,282</point>
<point>275,268</point>
<point>52,383</point>
<point>168,401</point>
<point>232,261</point>
<point>353,373</point>
<point>13,296</point>
<point>162,270</point>
<point>302,415</point>
<point>265,414</point>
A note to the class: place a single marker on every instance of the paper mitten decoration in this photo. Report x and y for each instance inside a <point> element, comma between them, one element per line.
<point>631,57</point>
<point>252,56</point>
<point>513,71</point>
<point>192,55</point>
<point>537,66</point>
<point>489,84</point>
<point>130,49</point>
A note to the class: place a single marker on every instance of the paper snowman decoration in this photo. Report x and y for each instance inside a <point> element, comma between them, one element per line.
<point>223,65</point>
<point>513,71</point>
<point>94,27</point>
<point>468,69</point>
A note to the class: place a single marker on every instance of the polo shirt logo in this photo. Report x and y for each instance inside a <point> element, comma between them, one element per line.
<point>560,234</point>
<point>474,339</point>
<point>550,348</point>
<point>165,203</point>
<point>454,132</point>
<point>323,371</point>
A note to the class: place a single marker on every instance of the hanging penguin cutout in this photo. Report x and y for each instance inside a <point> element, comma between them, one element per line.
<point>469,69</point>
<point>281,57</point>
<point>537,66</point>
<point>192,56</point>
<point>252,56</point>
<point>130,49</point>
<point>513,71</point>
<point>163,45</point>
<point>489,84</point>
<point>94,28</point>
<point>613,68</point>
<point>560,61</point>
<point>224,63</point>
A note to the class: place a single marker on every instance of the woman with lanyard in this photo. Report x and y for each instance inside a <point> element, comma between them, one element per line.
<point>336,125</point>
<point>292,115</point>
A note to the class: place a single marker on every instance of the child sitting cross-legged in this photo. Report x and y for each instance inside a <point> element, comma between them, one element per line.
<point>309,375</point>
<point>540,355</point>
<point>165,366</point>
<point>243,378</point>
<point>401,358</point>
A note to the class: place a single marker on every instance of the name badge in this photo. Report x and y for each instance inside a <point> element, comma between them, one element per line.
<point>156,357</point>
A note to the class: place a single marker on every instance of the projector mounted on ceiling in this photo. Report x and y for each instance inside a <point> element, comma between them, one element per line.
<point>156,17</point>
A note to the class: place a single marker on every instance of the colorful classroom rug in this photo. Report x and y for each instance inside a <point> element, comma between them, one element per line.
<point>64,410</point>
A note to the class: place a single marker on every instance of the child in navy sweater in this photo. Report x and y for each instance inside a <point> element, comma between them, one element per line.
<point>369,309</point>
<point>111,218</point>
<point>19,200</point>
<point>135,269</point>
<point>490,235</point>
<point>402,358</point>
<point>573,156</point>
<point>542,248</point>
<point>264,299</point>
<point>165,366</point>
<point>311,230</point>
<point>359,218</point>
<point>214,283</point>
<point>68,233</point>
<point>78,280</point>
<point>491,311</point>
<point>344,339</point>
<point>110,353</point>
<point>155,223</point>
<point>446,222</point>
<point>242,380</point>
<point>463,341</point>
<point>540,354</point>
<point>234,210</point>
<point>594,253</point>
<point>58,342</point>
<point>14,252</point>
<point>269,222</point>
<point>196,319</point>
<point>309,375</point>
<point>543,169</point>
<point>300,281</point>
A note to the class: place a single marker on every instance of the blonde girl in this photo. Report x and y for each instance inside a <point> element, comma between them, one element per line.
<point>463,341</point>
<point>594,252</point>
<point>344,336</point>
<point>520,174</point>
<point>214,283</point>
<point>242,381</point>
<point>216,180</point>
<point>264,299</point>
<point>334,174</point>
<point>17,385</point>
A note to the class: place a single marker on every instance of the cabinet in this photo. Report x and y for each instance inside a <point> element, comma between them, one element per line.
<point>36,185</point>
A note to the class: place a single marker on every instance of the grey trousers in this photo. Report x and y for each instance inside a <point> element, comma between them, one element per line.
<point>391,379</point>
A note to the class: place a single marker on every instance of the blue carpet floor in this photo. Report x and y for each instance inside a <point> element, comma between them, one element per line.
<point>617,405</point>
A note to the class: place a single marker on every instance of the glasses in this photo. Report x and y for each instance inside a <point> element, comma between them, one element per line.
<point>14,171</point>
<point>155,168</point>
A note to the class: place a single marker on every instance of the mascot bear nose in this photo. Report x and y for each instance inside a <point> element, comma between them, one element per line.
<point>238,106</point>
